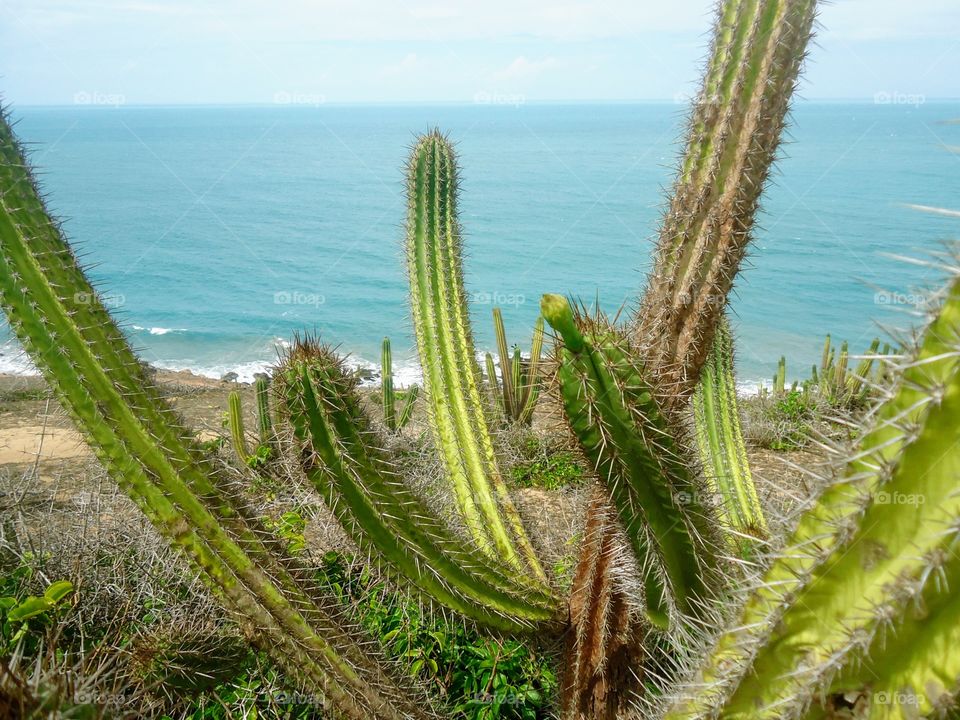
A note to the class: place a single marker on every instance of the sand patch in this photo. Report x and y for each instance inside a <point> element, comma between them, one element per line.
<point>22,444</point>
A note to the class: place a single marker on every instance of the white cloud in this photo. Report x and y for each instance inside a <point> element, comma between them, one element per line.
<point>523,69</point>
<point>408,64</point>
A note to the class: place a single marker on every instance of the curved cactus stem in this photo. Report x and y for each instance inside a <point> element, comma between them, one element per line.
<point>722,449</point>
<point>451,375</point>
<point>621,429</point>
<point>342,461</point>
<point>531,387</point>
<point>506,366</point>
<point>870,543</point>
<point>238,432</point>
<point>734,132</point>
<point>65,327</point>
<point>413,392</point>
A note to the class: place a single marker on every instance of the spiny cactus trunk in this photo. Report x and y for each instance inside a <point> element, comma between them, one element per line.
<point>65,327</point>
<point>238,431</point>
<point>602,662</point>
<point>734,131</point>
<point>884,534</point>
<point>451,375</point>
<point>617,420</point>
<point>261,388</point>
<point>722,449</point>
<point>341,457</point>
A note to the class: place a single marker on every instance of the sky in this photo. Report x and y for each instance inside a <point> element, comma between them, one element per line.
<point>135,52</point>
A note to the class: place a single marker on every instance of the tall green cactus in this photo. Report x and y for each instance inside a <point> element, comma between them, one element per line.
<point>881,536</point>
<point>518,388</point>
<point>620,426</point>
<point>722,449</point>
<point>261,388</point>
<point>451,375</point>
<point>238,431</point>
<point>62,323</point>
<point>343,461</point>
<point>388,395</point>
<point>734,132</point>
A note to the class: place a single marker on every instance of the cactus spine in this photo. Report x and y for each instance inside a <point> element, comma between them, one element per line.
<point>722,449</point>
<point>451,375</point>
<point>519,387</point>
<point>342,460</point>
<point>734,132</point>
<point>879,537</point>
<point>625,435</point>
<point>65,327</point>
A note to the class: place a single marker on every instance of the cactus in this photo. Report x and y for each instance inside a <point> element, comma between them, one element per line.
<point>519,388</point>
<point>720,440</point>
<point>388,394</point>
<point>845,584</point>
<point>238,432</point>
<point>604,642</point>
<point>84,356</point>
<point>780,378</point>
<point>625,435</point>
<point>261,388</point>
<point>342,460</point>
<point>451,375</point>
<point>734,132</point>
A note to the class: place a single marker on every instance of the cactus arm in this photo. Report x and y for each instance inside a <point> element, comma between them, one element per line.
<point>531,389</point>
<point>380,512</point>
<point>506,366</point>
<point>386,386</point>
<point>70,336</point>
<point>446,352</point>
<point>238,432</point>
<point>407,412</point>
<point>720,439</point>
<point>735,129</point>
<point>859,553</point>
<point>616,419</point>
<point>264,419</point>
<point>494,385</point>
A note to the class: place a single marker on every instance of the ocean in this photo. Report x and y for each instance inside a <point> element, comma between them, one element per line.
<point>217,232</point>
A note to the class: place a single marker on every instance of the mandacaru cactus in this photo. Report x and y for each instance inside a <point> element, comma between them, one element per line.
<point>68,332</point>
<point>388,394</point>
<point>723,452</point>
<point>622,430</point>
<point>734,132</point>
<point>451,375</point>
<point>517,392</point>
<point>238,430</point>
<point>844,591</point>
<point>261,389</point>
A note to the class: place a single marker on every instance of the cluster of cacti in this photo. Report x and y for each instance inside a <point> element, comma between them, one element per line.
<point>61,321</point>
<point>834,382</point>
<point>723,453</point>
<point>388,395</point>
<point>834,611</point>
<point>516,393</point>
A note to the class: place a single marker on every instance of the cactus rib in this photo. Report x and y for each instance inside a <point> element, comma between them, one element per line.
<point>451,376</point>
<point>734,132</point>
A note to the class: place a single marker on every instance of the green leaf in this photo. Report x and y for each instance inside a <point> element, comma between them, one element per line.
<point>31,607</point>
<point>58,591</point>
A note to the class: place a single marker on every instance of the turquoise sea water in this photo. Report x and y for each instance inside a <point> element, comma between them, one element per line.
<point>217,232</point>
